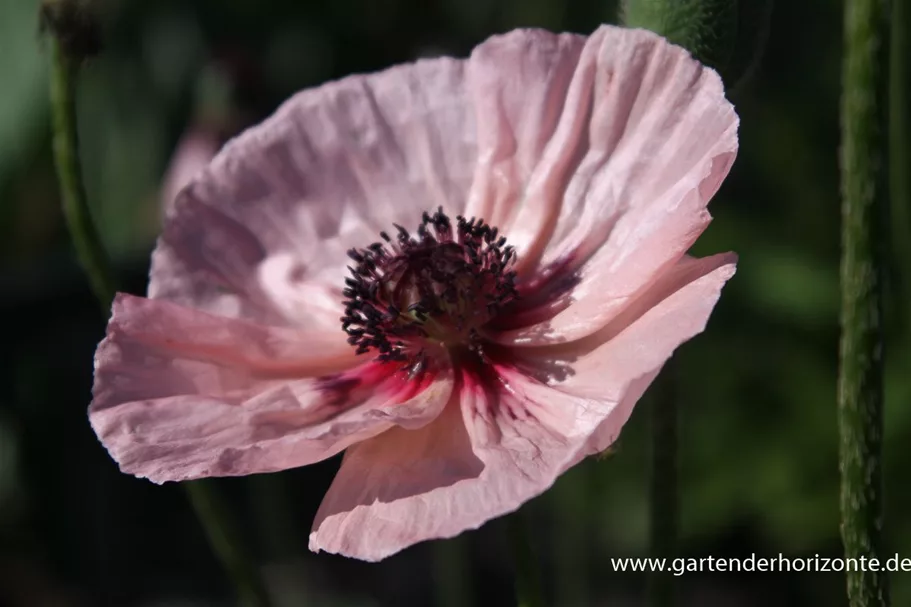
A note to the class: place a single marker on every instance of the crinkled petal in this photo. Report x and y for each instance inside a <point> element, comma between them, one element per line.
<point>598,161</point>
<point>397,489</point>
<point>518,83</point>
<point>598,360</point>
<point>512,435</point>
<point>264,230</point>
<point>193,153</point>
<point>181,394</point>
<point>596,157</point>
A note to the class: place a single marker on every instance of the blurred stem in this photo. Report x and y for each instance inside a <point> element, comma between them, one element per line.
<point>527,582</point>
<point>452,577</point>
<point>899,158</point>
<point>664,501</point>
<point>69,173</point>
<point>64,68</point>
<point>571,502</point>
<point>706,28</point>
<point>224,539</point>
<point>760,19</point>
<point>275,522</point>
<point>860,389</point>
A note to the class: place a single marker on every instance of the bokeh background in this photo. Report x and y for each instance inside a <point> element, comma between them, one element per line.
<point>758,438</point>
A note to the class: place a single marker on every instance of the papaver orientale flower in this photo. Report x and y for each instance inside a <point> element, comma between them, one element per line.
<point>463,273</point>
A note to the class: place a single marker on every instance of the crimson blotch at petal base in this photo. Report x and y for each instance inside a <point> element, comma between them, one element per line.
<point>469,361</point>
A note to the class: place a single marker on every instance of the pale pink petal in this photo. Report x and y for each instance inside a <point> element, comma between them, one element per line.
<point>182,394</point>
<point>601,361</point>
<point>561,141</point>
<point>193,153</point>
<point>598,161</point>
<point>516,435</point>
<point>518,83</point>
<point>265,228</point>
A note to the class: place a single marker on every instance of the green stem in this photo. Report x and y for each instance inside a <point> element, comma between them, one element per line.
<point>527,580</point>
<point>706,28</point>
<point>223,536</point>
<point>571,499</point>
<point>860,388</point>
<point>664,502</point>
<point>899,158</point>
<point>69,172</point>
<point>451,573</point>
<point>209,509</point>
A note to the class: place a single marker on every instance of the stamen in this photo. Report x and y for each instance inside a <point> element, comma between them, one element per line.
<point>436,290</point>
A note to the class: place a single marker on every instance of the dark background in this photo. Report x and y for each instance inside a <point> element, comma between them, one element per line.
<point>757,390</point>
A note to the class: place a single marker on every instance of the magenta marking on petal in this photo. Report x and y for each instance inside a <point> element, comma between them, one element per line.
<point>388,378</point>
<point>540,298</point>
<point>494,396</point>
<point>480,374</point>
<point>497,362</point>
<point>340,387</point>
<point>338,390</point>
<point>406,385</point>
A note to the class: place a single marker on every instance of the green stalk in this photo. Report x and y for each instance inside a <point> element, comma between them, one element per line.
<point>66,22</point>
<point>69,171</point>
<point>451,573</point>
<point>527,580</point>
<point>899,159</point>
<point>664,504</point>
<point>860,383</point>
<point>571,501</point>
<point>224,539</point>
<point>707,28</point>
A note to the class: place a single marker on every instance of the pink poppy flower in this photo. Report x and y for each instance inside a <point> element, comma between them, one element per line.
<point>461,364</point>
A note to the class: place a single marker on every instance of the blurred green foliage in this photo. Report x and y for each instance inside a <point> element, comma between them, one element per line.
<point>759,458</point>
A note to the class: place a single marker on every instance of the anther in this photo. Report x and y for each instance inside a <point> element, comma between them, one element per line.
<point>449,284</point>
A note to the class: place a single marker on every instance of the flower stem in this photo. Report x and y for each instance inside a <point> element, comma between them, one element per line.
<point>571,499</point>
<point>528,583</point>
<point>69,172</point>
<point>860,383</point>
<point>66,21</point>
<point>451,573</point>
<point>664,502</point>
<point>224,539</point>
<point>899,158</point>
<point>706,28</point>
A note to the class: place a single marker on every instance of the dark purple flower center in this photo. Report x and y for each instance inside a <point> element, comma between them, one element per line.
<point>438,289</point>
